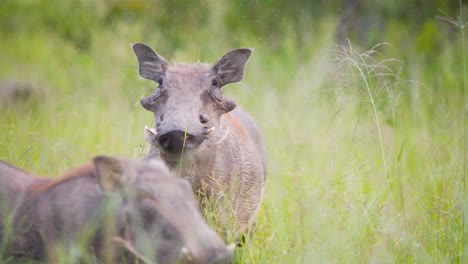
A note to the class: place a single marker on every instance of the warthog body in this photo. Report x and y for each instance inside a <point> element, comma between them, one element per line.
<point>116,210</point>
<point>200,133</point>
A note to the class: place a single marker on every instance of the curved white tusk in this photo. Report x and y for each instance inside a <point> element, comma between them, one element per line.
<point>210,130</point>
<point>127,245</point>
<point>231,247</point>
<point>152,130</point>
<point>223,138</point>
<point>186,253</point>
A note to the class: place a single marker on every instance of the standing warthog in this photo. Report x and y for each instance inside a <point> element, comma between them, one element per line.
<point>116,210</point>
<point>202,134</point>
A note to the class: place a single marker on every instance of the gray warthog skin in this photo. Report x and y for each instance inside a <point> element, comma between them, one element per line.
<point>117,210</point>
<point>201,134</point>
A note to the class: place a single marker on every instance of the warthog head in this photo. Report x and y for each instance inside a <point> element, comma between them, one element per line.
<point>188,102</point>
<point>158,219</point>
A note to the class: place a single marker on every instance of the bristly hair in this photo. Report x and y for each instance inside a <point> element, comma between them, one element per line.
<point>198,67</point>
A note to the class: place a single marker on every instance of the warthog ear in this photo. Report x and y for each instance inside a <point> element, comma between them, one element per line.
<point>110,173</point>
<point>152,66</point>
<point>230,68</point>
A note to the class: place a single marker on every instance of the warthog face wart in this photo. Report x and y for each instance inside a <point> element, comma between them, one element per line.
<point>188,102</point>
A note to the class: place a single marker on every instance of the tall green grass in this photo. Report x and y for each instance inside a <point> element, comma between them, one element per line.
<point>365,155</point>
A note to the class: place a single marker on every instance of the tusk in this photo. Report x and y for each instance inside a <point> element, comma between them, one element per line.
<point>231,247</point>
<point>152,130</point>
<point>210,130</point>
<point>223,138</point>
<point>186,253</point>
<point>127,245</point>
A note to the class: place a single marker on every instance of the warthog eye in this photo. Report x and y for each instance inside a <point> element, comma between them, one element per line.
<point>160,81</point>
<point>148,217</point>
<point>214,82</point>
<point>148,214</point>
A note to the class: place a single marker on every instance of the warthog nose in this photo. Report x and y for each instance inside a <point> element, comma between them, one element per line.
<point>177,140</point>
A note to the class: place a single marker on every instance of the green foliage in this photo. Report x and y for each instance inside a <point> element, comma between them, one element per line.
<point>328,197</point>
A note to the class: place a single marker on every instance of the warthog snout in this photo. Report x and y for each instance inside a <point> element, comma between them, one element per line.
<point>176,140</point>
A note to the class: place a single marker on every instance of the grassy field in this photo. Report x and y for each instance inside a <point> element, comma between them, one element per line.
<point>365,146</point>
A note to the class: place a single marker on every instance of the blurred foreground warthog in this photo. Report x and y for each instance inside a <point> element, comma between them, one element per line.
<point>12,91</point>
<point>201,134</point>
<point>115,210</point>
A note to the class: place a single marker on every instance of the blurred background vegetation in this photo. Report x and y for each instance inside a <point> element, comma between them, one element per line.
<point>331,196</point>
<point>232,23</point>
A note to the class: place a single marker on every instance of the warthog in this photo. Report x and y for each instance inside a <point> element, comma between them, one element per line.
<point>13,90</point>
<point>202,134</point>
<point>116,210</point>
